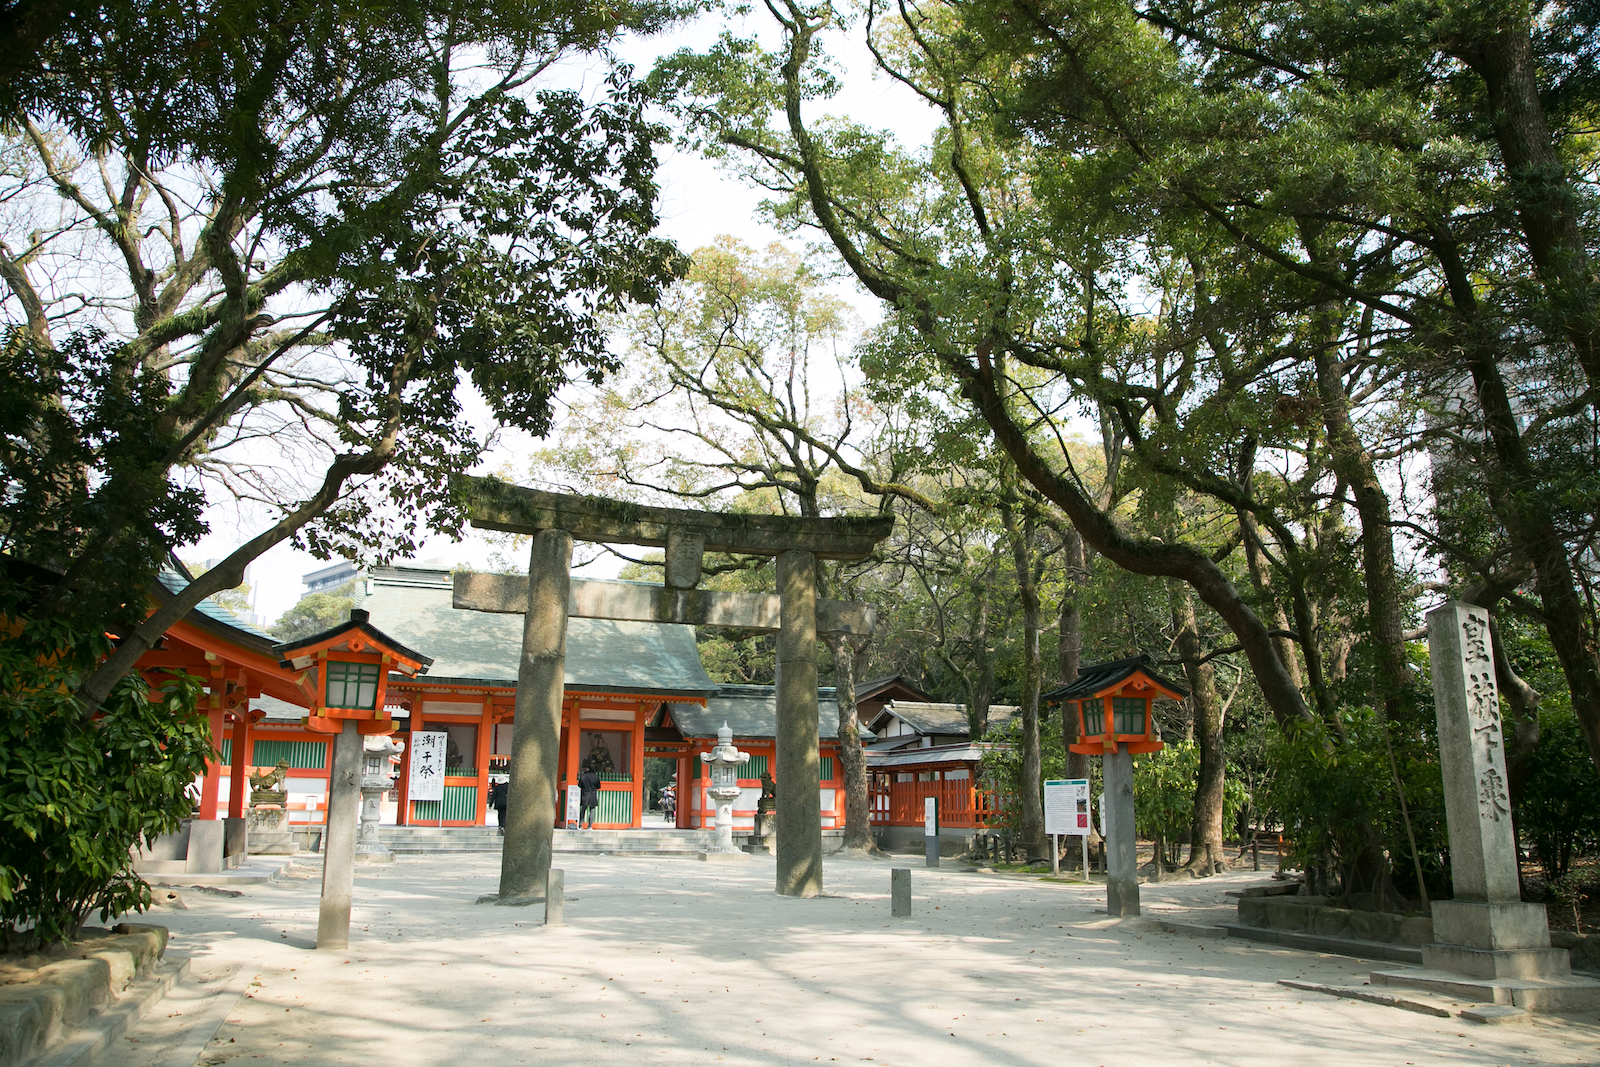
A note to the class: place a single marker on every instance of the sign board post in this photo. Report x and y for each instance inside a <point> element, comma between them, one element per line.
<point>574,811</point>
<point>1066,814</point>
<point>930,830</point>
<point>427,768</point>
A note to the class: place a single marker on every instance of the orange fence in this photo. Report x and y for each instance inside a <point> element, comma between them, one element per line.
<point>962,804</point>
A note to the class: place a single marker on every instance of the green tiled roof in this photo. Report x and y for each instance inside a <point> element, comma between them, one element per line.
<point>414,605</point>
<point>175,583</point>
<point>751,711</point>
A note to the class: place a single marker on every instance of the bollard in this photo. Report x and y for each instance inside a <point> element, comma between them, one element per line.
<point>900,892</point>
<point>554,898</point>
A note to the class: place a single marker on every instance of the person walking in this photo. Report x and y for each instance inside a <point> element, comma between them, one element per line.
<point>499,793</point>
<point>588,797</point>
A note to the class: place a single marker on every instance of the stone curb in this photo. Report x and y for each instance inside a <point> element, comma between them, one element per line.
<point>39,1013</point>
<point>1192,929</point>
<point>100,1032</point>
<point>1338,946</point>
<point>1419,1004</point>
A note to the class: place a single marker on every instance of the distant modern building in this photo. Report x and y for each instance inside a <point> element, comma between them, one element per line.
<point>331,577</point>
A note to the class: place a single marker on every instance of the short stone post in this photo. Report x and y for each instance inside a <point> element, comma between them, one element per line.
<point>555,897</point>
<point>799,817</point>
<point>1121,844</point>
<point>339,840</point>
<point>536,738</point>
<point>900,892</point>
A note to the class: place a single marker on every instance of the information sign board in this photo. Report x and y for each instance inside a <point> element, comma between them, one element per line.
<point>427,765</point>
<point>1066,807</point>
<point>574,797</point>
<point>930,817</point>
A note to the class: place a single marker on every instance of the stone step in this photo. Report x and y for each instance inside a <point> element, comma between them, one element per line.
<point>1537,995</point>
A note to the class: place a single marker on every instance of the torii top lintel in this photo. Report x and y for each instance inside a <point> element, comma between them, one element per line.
<point>496,505</point>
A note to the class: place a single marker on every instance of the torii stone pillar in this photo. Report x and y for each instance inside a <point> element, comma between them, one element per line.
<point>548,596</point>
<point>799,822</point>
<point>536,734</point>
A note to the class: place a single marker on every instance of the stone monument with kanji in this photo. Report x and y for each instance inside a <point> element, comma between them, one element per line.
<point>1488,945</point>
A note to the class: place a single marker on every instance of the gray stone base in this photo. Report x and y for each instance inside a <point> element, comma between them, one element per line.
<point>273,844</point>
<point>374,857</point>
<point>1533,994</point>
<point>1499,954</point>
<point>725,857</point>
<point>1498,963</point>
<point>1476,924</point>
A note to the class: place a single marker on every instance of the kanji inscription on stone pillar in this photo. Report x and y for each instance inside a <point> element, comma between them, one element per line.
<point>1472,754</point>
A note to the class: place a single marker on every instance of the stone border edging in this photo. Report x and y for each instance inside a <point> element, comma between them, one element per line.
<point>1339,946</point>
<point>39,1013</point>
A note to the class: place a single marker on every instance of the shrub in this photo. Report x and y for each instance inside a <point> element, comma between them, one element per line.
<point>1340,809</point>
<point>77,796</point>
<point>1164,785</point>
<point>1558,816</point>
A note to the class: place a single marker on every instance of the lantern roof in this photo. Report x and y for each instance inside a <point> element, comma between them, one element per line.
<point>357,635</point>
<point>1103,678</point>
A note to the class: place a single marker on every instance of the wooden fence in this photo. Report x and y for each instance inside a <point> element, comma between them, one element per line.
<point>963,804</point>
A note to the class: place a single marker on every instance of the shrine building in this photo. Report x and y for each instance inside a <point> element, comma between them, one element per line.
<point>633,691</point>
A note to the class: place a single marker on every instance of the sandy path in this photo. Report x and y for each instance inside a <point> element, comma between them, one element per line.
<point>674,961</point>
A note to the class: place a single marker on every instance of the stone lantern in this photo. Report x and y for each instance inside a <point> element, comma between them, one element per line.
<point>723,763</point>
<point>375,781</point>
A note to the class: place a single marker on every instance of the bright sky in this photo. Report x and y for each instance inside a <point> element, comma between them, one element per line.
<point>698,204</point>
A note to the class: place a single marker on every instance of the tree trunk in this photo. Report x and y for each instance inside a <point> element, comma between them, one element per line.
<point>1205,833</point>
<point>1541,182</point>
<point>982,687</point>
<point>1032,828</point>
<point>1526,514</point>
<point>849,655</point>
<point>1352,463</point>
<point>1069,646</point>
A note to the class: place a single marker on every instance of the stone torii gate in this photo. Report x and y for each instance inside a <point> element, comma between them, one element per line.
<point>548,596</point>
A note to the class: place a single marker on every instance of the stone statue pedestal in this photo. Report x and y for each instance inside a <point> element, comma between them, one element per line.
<point>1488,944</point>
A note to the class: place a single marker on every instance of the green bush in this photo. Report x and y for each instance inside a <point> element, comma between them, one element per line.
<point>1164,784</point>
<point>1339,806</point>
<point>1558,812</point>
<point>77,796</point>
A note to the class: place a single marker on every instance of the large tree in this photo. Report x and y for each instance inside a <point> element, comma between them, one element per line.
<point>260,251</point>
<point>1337,209</point>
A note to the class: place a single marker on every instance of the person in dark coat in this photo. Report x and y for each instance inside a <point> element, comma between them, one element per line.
<point>588,797</point>
<point>499,794</point>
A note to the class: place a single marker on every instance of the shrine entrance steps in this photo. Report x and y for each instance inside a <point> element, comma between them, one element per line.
<point>428,840</point>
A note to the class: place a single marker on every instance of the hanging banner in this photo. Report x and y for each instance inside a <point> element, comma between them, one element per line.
<point>427,765</point>
<point>1066,807</point>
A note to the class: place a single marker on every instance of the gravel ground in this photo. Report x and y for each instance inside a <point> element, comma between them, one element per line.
<point>675,961</point>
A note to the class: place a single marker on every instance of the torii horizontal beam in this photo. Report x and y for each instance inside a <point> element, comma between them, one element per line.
<point>640,602</point>
<point>496,505</point>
